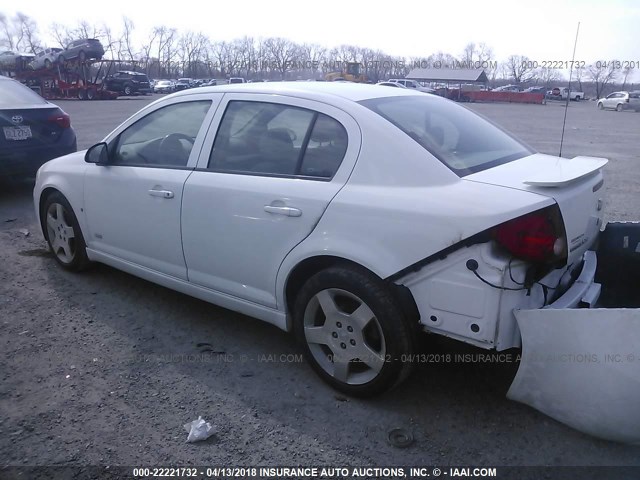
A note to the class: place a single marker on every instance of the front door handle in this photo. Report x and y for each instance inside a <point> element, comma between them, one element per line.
<point>287,211</point>
<point>161,193</point>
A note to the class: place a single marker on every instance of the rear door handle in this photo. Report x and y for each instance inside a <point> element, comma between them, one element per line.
<point>287,211</point>
<point>161,193</point>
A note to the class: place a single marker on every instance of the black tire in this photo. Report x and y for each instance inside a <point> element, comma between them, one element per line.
<point>127,90</point>
<point>82,94</point>
<point>600,106</point>
<point>380,332</point>
<point>82,56</point>
<point>91,94</point>
<point>47,64</point>
<point>61,59</point>
<point>75,259</point>
<point>619,107</point>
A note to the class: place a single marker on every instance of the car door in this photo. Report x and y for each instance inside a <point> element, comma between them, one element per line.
<point>133,203</point>
<point>611,101</point>
<point>264,179</point>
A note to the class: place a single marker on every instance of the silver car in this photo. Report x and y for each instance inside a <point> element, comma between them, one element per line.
<point>45,59</point>
<point>621,101</point>
<point>10,60</point>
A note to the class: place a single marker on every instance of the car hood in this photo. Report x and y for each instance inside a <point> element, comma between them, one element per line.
<point>575,184</point>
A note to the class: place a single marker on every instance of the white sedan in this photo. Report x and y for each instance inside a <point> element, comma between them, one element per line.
<point>353,215</point>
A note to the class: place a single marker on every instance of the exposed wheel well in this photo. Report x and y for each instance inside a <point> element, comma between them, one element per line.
<point>310,266</point>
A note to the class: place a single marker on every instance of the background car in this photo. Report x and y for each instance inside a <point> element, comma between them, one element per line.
<point>10,60</point>
<point>507,88</point>
<point>45,59</point>
<point>391,84</point>
<point>412,84</point>
<point>237,80</point>
<point>82,50</point>
<point>33,130</point>
<point>620,101</point>
<point>183,84</point>
<point>163,86</point>
<point>535,90</point>
<point>128,82</point>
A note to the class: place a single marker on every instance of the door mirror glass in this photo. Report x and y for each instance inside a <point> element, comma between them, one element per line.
<point>97,154</point>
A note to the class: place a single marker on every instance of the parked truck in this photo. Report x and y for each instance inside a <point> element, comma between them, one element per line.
<point>562,92</point>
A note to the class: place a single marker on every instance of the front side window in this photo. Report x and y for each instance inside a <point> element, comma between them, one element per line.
<point>274,139</point>
<point>462,140</point>
<point>165,137</point>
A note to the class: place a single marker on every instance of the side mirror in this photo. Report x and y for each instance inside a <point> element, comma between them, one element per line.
<point>97,154</point>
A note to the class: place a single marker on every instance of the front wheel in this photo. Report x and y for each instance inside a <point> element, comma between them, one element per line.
<point>600,106</point>
<point>63,233</point>
<point>352,331</point>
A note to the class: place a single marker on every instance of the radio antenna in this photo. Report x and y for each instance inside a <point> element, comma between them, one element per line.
<point>566,105</point>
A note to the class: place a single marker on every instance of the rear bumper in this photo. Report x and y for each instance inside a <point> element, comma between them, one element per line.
<point>584,291</point>
<point>580,365</point>
<point>27,161</point>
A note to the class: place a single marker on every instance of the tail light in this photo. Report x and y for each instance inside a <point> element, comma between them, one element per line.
<point>61,119</point>
<point>535,237</point>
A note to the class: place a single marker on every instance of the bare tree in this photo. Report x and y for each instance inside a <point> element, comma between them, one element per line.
<point>146,51</point>
<point>126,39</point>
<point>29,31</point>
<point>625,74</point>
<point>547,76</point>
<point>111,43</point>
<point>441,60</point>
<point>579,73</point>
<point>61,34</point>
<point>282,52</point>
<point>521,68</point>
<point>601,74</point>
<point>7,39</point>
<point>191,48</point>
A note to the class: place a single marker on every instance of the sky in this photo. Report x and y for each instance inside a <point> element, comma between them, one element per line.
<point>543,30</point>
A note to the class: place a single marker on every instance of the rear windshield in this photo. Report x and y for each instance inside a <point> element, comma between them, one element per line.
<point>462,140</point>
<point>14,94</point>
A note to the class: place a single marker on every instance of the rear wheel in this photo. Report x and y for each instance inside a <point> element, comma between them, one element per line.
<point>619,107</point>
<point>82,94</point>
<point>63,233</point>
<point>91,94</point>
<point>61,59</point>
<point>352,331</point>
<point>47,63</point>
<point>82,56</point>
<point>128,90</point>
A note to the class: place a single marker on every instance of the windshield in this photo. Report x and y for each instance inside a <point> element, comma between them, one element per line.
<point>462,140</point>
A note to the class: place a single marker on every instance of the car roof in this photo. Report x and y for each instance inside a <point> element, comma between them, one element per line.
<point>311,90</point>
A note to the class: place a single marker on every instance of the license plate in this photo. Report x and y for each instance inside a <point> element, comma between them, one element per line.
<point>22,132</point>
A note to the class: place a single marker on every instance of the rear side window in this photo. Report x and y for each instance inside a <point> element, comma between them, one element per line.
<point>16,94</point>
<point>279,140</point>
<point>462,140</point>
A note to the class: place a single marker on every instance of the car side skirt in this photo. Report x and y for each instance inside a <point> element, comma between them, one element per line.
<point>261,312</point>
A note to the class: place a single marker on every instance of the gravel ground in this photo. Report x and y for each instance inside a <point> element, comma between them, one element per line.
<point>103,368</point>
